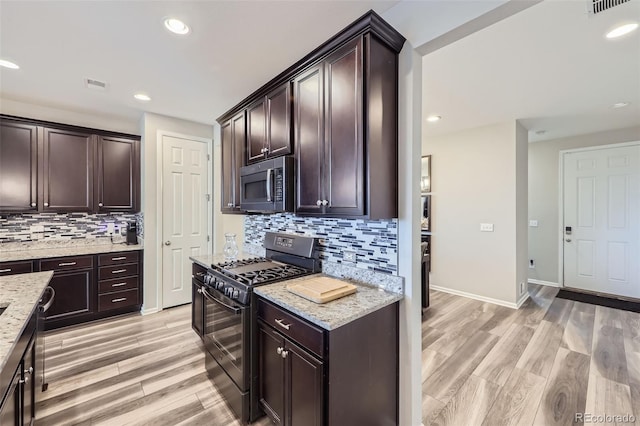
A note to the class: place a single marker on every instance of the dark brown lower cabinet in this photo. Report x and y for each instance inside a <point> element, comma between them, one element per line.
<point>291,381</point>
<point>312,376</point>
<point>11,408</point>
<point>75,294</point>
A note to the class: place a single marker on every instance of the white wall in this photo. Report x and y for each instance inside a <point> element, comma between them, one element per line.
<point>544,182</point>
<point>476,177</point>
<point>66,116</point>
<point>150,124</point>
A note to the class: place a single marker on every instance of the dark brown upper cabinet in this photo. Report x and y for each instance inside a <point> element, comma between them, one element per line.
<point>233,155</point>
<point>269,125</point>
<point>67,171</point>
<point>117,175</point>
<point>345,131</point>
<point>18,166</point>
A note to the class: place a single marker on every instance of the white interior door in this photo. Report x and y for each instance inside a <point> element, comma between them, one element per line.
<point>184,214</point>
<point>602,210</point>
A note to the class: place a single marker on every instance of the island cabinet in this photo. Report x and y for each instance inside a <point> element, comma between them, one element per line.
<point>269,125</point>
<point>312,376</point>
<point>233,157</point>
<point>345,132</point>
<point>18,166</point>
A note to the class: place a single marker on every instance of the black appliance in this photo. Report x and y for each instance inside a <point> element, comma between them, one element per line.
<point>230,323</point>
<point>267,186</point>
<point>132,233</point>
<point>44,304</point>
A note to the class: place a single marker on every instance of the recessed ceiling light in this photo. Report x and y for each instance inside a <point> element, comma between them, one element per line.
<point>433,118</point>
<point>622,30</point>
<point>142,97</point>
<point>620,104</point>
<point>176,26</point>
<point>8,64</point>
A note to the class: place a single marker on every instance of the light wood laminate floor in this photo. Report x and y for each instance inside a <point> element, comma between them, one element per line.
<point>484,364</point>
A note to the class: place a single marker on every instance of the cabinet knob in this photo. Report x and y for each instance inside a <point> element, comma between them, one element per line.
<point>33,204</point>
<point>284,354</point>
<point>200,290</point>
<point>229,204</point>
<point>325,202</point>
<point>100,204</point>
<point>318,203</point>
<point>279,351</point>
<point>46,204</point>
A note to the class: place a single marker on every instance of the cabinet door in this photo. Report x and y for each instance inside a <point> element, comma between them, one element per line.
<point>226,146</point>
<point>304,376</point>
<point>239,156</point>
<point>197,308</point>
<point>29,390</point>
<point>67,171</point>
<point>18,166</point>
<point>256,131</point>
<point>309,139</point>
<point>344,171</point>
<point>271,373</point>
<point>75,294</point>
<point>11,409</point>
<point>118,175</point>
<point>279,121</point>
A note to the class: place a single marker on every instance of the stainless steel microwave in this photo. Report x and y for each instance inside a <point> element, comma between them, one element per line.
<point>267,186</point>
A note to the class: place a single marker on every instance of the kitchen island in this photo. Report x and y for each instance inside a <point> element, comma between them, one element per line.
<point>19,296</point>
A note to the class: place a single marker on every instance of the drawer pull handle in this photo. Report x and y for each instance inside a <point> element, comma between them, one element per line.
<point>67,263</point>
<point>119,258</point>
<point>282,324</point>
<point>5,270</point>
<point>118,285</point>
<point>118,271</point>
<point>121,299</point>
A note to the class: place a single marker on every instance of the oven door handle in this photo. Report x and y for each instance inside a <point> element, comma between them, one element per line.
<point>269,184</point>
<point>206,294</point>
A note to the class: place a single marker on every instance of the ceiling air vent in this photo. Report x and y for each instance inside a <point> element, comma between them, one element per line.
<point>597,6</point>
<point>92,83</point>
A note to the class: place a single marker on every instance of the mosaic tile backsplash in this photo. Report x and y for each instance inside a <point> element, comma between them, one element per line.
<point>63,226</point>
<point>375,242</point>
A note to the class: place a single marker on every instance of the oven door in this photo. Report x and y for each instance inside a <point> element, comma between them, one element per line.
<point>226,335</point>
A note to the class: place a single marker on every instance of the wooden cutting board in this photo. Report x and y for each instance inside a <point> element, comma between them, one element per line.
<point>322,289</point>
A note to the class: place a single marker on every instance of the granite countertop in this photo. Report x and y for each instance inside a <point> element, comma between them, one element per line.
<point>30,251</point>
<point>330,315</point>
<point>19,294</point>
<point>208,259</point>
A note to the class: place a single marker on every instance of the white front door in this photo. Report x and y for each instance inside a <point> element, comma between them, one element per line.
<point>601,228</point>
<point>184,214</point>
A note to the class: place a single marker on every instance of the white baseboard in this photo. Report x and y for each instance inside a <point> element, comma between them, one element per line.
<point>541,282</point>
<point>478,297</point>
<point>522,299</point>
<point>144,311</point>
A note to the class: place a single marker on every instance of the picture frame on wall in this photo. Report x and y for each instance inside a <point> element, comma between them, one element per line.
<point>425,174</point>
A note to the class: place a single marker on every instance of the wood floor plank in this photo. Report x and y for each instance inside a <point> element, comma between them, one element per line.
<point>631,331</point>
<point>431,362</point>
<point>470,404</point>
<point>452,374</point>
<point>450,342</point>
<point>608,353</point>
<point>430,335</point>
<point>566,391</point>
<point>540,353</point>
<point>502,359</point>
<point>578,333</point>
<point>559,311</point>
<point>160,413</point>
<point>518,400</point>
<point>430,409</point>
<point>608,398</point>
<point>501,320</point>
<point>609,317</point>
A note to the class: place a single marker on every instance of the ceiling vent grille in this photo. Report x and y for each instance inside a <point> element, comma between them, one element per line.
<point>597,6</point>
<point>92,83</point>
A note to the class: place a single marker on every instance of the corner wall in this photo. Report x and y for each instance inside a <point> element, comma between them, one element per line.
<point>544,203</point>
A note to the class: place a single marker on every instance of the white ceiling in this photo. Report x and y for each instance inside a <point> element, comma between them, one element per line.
<point>548,66</point>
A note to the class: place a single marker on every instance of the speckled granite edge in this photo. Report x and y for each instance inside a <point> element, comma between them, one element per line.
<point>388,282</point>
<point>43,250</point>
<point>20,294</point>
<point>334,314</point>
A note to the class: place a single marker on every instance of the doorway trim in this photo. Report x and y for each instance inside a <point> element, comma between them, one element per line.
<point>561,198</point>
<point>159,216</point>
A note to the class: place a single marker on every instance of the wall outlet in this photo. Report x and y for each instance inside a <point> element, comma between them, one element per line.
<point>486,227</point>
<point>349,256</point>
<point>111,228</point>
<point>533,223</point>
<point>522,287</point>
<point>532,264</point>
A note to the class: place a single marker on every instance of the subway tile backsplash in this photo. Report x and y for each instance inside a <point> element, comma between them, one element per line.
<point>63,226</point>
<point>375,242</point>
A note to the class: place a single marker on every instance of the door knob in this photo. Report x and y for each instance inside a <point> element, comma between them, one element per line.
<point>568,240</point>
<point>167,243</point>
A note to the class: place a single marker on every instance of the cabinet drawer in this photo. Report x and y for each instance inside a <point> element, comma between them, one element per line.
<point>63,263</point>
<point>117,271</point>
<point>118,258</point>
<point>119,299</point>
<point>291,326</point>
<point>10,268</point>
<point>198,272</point>
<point>119,284</point>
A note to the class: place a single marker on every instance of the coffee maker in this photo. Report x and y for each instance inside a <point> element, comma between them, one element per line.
<point>132,233</point>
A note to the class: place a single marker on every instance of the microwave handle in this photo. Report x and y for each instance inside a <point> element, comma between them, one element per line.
<point>269,184</point>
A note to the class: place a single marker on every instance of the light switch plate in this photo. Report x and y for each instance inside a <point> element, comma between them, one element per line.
<point>533,223</point>
<point>486,227</point>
